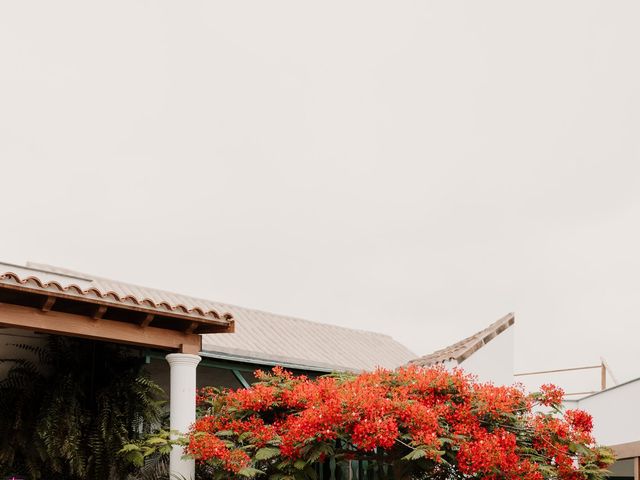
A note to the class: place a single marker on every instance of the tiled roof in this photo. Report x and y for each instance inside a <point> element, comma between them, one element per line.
<point>66,284</point>
<point>274,339</point>
<point>463,349</point>
<point>278,338</point>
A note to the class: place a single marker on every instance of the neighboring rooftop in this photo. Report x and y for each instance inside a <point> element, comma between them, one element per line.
<point>463,349</point>
<point>261,337</point>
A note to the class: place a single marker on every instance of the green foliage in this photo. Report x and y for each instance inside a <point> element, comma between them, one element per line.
<point>69,411</point>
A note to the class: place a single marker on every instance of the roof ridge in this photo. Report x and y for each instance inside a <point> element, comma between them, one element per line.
<point>93,278</point>
<point>27,266</point>
<point>464,348</point>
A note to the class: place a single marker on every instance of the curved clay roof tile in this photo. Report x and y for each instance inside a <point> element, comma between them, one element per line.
<point>32,281</point>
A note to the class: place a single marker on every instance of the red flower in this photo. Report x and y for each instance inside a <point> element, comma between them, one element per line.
<point>551,395</point>
<point>481,430</point>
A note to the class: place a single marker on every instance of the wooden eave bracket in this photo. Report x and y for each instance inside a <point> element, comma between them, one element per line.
<point>192,327</point>
<point>147,320</point>
<point>100,311</point>
<point>48,304</point>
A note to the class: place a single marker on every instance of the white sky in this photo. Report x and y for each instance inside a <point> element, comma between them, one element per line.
<point>415,168</point>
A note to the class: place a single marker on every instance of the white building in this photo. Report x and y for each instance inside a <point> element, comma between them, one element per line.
<point>616,423</point>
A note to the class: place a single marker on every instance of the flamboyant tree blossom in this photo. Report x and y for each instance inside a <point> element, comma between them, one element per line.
<point>411,423</point>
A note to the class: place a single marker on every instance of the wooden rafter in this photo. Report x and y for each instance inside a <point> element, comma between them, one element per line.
<point>191,328</point>
<point>100,311</point>
<point>48,304</point>
<point>147,320</point>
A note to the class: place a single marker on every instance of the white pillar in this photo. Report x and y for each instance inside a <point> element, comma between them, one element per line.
<point>182,408</point>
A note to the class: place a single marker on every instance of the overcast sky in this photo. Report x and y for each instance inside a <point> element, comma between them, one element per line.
<point>414,168</point>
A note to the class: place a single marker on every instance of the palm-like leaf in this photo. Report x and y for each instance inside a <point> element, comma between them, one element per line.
<point>68,411</point>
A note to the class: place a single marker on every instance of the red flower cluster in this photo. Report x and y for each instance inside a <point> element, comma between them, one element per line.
<point>445,418</point>
<point>206,446</point>
<point>580,422</point>
<point>550,395</point>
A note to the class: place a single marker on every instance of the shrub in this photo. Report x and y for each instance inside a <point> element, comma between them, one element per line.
<point>412,423</point>
<point>66,414</point>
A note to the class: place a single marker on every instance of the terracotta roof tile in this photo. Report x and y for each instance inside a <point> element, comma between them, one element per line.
<point>463,349</point>
<point>70,285</point>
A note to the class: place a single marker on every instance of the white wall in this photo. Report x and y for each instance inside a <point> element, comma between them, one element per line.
<point>494,361</point>
<point>616,413</point>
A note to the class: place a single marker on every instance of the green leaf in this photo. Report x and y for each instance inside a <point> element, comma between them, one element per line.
<point>266,453</point>
<point>129,448</point>
<point>415,454</point>
<point>165,449</point>
<point>155,441</point>
<point>136,458</point>
<point>250,472</point>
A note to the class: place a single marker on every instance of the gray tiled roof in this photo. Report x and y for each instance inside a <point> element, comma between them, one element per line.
<point>281,338</point>
<point>463,349</point>
<point>272,338</point>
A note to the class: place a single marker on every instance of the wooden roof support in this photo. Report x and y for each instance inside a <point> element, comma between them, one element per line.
<point>61,323</point>
<point>48,304</point>
<point>147,320</point>
<point>100,311</point>
<point>191,328</point>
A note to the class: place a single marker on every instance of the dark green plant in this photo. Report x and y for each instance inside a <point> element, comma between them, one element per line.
<point>66,413</point>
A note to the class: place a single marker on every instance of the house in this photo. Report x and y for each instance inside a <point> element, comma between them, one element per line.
<point>227,342</point>
<point>262,340</point>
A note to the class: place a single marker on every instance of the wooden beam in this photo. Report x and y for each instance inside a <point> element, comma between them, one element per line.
<point>48,304</point>
<point>147,320</point>
<point>557,370</point>
<point>61,323</point>
<point>192,348</point>
<point>100,311</point>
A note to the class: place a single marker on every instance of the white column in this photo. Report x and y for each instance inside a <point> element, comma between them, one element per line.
<point>182,408</point>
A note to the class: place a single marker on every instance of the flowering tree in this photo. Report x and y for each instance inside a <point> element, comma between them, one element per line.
<point>412,423</point>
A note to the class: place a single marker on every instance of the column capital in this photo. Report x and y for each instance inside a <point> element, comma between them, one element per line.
<point>183,359</point>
